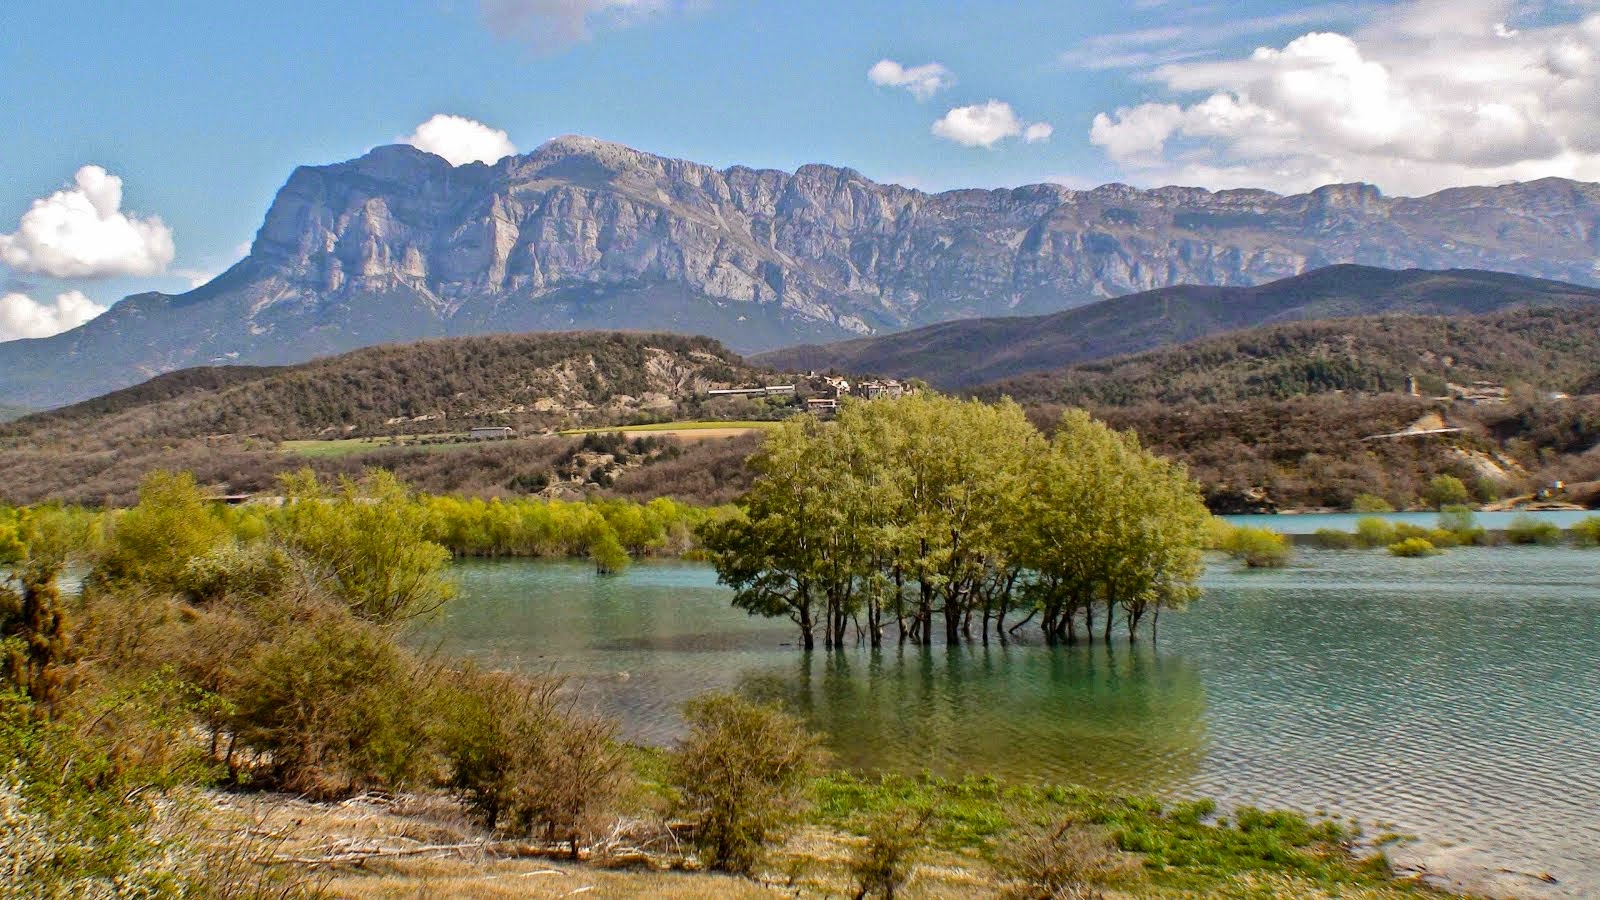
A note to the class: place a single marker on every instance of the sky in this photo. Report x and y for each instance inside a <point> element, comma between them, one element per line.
<point>140,144</point>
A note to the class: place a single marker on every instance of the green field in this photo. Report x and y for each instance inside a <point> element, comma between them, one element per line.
<point>348,446</point>
<point>746,425</point>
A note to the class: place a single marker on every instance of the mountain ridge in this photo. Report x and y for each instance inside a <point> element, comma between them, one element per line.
<point>966,353</point>
<point>399,245</point>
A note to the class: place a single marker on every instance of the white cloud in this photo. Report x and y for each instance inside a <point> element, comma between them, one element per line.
<point>460,140</point>
<point>1445,93</point>
<point>23,317</point>
<point>1176,41</point>
<point>81,232</point>
<point>986,124</point>
<point>553,24</point>
<point>922,81</point>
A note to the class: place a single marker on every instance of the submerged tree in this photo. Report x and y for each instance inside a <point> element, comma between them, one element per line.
<point>933,511</point>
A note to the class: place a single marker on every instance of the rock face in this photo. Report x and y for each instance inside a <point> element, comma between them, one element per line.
<point>399,245</point>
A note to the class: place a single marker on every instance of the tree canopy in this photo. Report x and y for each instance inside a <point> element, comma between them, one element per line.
<point>929,511</point>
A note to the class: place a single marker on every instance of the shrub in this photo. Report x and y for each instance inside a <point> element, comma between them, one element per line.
<point>152,543</point>
<point>367,545</point>
<point>1375,532</point>
<point>1064,861</point>
<point>883,864</point>
<point>523,763</point>
<point>332,703</point>
<point>1445,490</point>
<point>1370,503</point>
<point>1528,530</point>
<point>1462,524</point>
<point>1586,532</point>
<point>739,776</point>
<point>1334,539</point>
<point>1412,547</point>
<point>1259,548</point>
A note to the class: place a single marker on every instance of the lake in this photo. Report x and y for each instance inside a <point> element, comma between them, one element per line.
<point>1456,696</point>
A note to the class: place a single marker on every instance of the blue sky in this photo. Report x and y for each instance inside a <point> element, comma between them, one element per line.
<point>202,109</point>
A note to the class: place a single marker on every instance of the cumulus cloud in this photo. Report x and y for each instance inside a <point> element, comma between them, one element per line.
<point>1445,93</point>
<point>82,232</point>
<point>921,81</point>
<point>23,317</point>
<point>986,124</point>
<point>460,140</point>
<point>553,24</point>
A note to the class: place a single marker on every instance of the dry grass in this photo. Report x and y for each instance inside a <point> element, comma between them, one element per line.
<point>425,846</point>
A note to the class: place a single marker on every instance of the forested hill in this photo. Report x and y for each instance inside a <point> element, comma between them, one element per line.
<point>974,351</point>
<point>436,385</point>
<point>1544,350</point>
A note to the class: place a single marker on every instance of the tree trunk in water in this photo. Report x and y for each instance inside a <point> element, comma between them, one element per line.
<point>1111,608</point>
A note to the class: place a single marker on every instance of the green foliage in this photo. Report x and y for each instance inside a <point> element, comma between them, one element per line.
<point>1528,530</point>
<point>1412,547</point>
<point>1334,539</point>
<point>1370,503</point>
<point>1462,525</point>
<point>1586,532</point>
<point>333,702</point>
<point>1445,490</point>
<point>525,764</point>
<point>928,506</point>
<point>152,543</point>
<point>1258,548</point>
<point>1375,532</point>
<point>366,544</point>
<point>740,776</point>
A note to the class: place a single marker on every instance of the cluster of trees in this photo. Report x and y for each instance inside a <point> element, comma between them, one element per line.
<point>933,514</point>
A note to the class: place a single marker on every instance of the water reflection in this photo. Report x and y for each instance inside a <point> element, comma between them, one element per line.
<point>1113,718</point>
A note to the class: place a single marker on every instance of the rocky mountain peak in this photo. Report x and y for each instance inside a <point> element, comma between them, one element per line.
<point>585,233</point>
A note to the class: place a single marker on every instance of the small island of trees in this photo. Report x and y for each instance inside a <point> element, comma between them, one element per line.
<point>928,512</point>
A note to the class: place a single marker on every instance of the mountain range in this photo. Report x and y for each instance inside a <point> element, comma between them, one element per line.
<point>970,352</point>
<point>399,245</point>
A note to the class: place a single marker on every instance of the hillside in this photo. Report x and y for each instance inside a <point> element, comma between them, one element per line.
<point>399,245</point>
<point>971,352</point>
<point>226,423</point>
<point>1543,350</point>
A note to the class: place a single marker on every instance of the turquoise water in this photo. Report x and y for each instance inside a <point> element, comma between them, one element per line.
<point>1456,696</point>
<point>1309,523</point>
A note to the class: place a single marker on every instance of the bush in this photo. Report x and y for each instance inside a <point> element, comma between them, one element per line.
<point>1445,490</point>
<point>332,703</point>
<point>1334,539</point>
<point>1370,503</point>
<point>523,763</point>
<point>883,864</point>
<point>1064,861</point>
<point>1528,530</point>
<point>1259,548</point>
<point>1413,547</point>
<point>1375,532</point>
<point>1586,532</point>
<point>1462,524</point>
<point>739,776</point>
